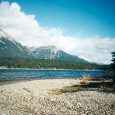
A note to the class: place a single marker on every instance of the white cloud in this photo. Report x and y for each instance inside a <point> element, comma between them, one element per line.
<point>27,30</point>
<point>23,27</point>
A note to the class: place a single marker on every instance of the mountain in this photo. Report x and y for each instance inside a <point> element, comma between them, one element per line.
<point>51,52</point>
<point>10,48</point>
<point>13,54</point>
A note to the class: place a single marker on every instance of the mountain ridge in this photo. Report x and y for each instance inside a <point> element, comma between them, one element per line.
<point>11,48</point>
<point>51,52</point>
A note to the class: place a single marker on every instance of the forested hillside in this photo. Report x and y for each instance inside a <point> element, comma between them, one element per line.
<point>47,63</point>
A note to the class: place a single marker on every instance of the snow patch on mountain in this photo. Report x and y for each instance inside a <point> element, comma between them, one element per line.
<point>17,45</point>
<point>2,42</point>
<point>4,35</point>
<point>51,49</point>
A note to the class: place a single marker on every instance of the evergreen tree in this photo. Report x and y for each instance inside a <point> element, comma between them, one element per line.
<point>113,66</point>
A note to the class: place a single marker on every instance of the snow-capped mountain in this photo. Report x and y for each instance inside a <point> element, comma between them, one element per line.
<point>10,48</point>
<point>51,52</point>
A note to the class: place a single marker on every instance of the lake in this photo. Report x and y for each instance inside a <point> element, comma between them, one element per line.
<point>9,74</point>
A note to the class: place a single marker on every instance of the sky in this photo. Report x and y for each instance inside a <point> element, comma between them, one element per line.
<point>85,28</point>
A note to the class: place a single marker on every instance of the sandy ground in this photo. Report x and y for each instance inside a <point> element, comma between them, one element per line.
<point>31,98</point>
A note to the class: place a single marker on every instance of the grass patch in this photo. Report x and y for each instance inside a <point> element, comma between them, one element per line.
<point>54,92</point>
<point>65,89</point>
<point>107,86</point>
<point>86,83</point>
<point>93,86</point>
<point>71,88</point>
<point>99,79</point>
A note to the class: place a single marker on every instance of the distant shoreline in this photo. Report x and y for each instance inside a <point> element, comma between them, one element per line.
<point>50,69</point>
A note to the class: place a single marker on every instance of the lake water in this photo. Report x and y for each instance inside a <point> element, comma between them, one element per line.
<point>8,74</point>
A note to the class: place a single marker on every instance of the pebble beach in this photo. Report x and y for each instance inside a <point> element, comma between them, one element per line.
<point>32,98</point>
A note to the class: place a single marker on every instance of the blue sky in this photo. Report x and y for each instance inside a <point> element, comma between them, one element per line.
<point>85,28</point>
<point>84,17</point>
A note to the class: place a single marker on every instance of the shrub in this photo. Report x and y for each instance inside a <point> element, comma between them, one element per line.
<point>85,80</point>
<point>65,89</point>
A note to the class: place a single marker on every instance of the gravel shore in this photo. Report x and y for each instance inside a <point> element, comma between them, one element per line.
<point>32,98</point>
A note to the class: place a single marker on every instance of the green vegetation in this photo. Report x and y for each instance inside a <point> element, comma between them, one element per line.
<point>47,63</point>
<point>100,86</point>
<point>86,83</point>
<point>66,89</point>
<point>113,66</point>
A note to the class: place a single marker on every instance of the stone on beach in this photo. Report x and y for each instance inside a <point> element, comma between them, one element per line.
<point>31,97</point>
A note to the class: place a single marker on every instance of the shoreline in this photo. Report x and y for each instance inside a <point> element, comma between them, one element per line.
<point>12,81</point>
<point>49,69</point>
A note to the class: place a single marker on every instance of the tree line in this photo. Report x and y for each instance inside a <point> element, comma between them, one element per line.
<point>47,63</point>
<point>113,66</point>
